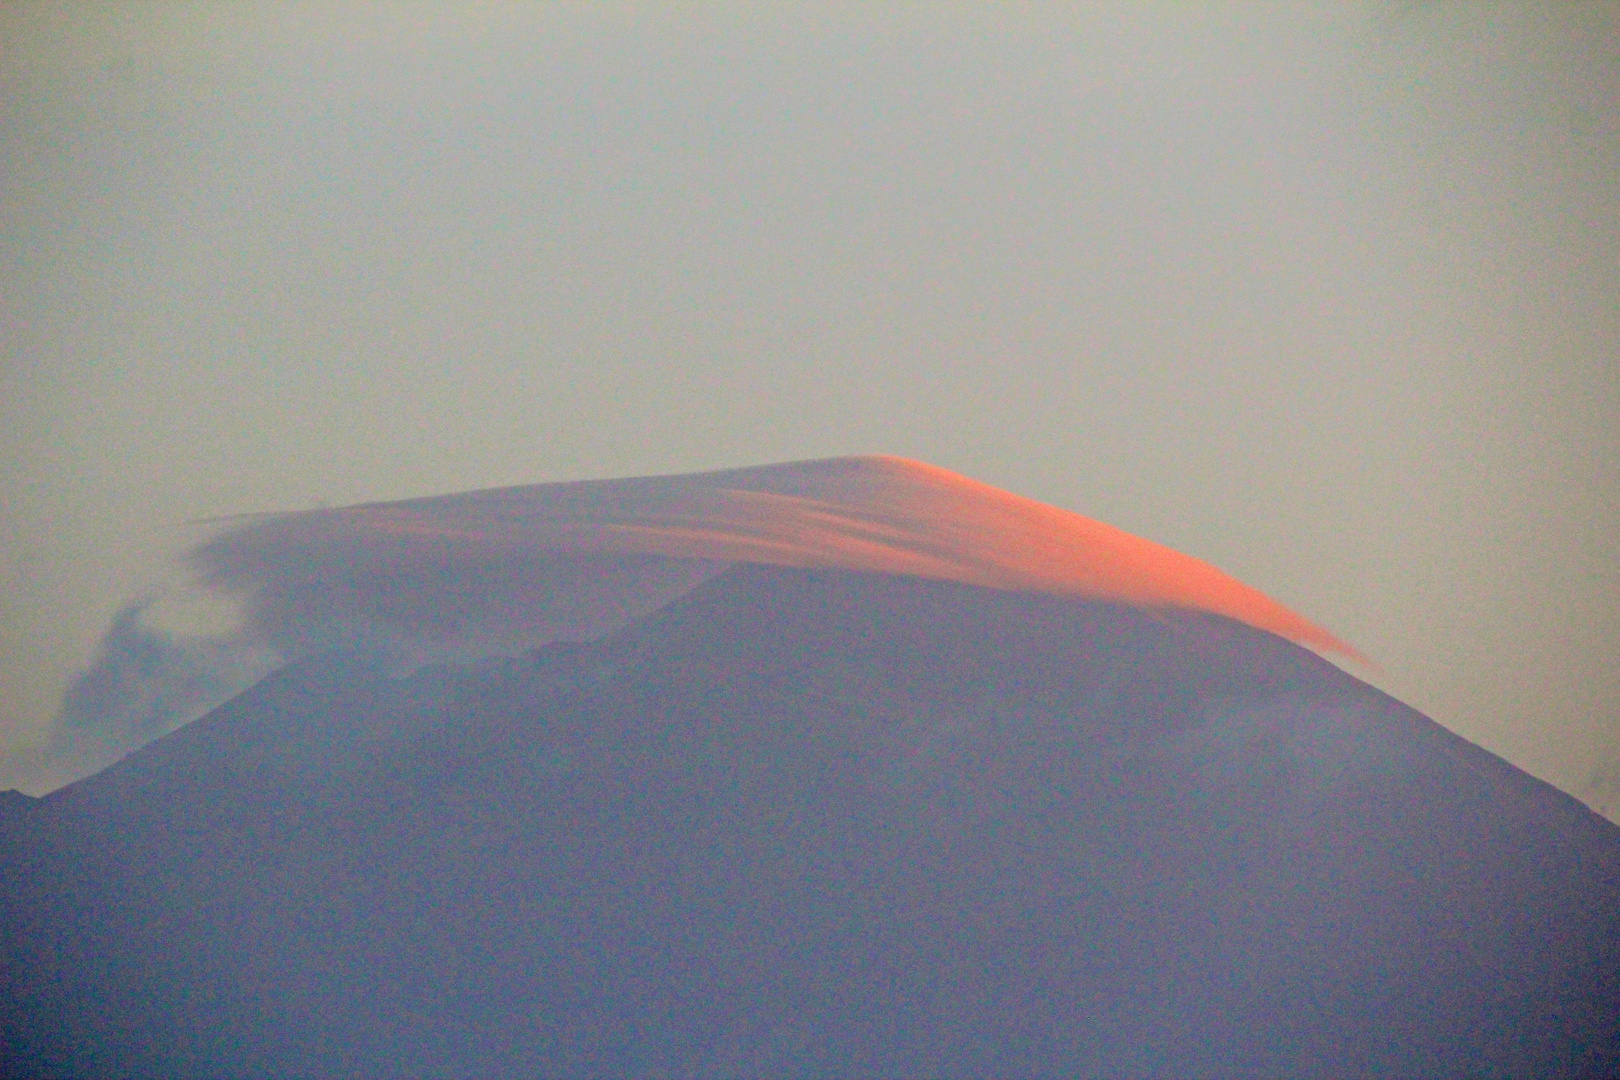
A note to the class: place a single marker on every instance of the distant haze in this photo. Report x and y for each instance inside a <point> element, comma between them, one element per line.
<point>1322,295</point>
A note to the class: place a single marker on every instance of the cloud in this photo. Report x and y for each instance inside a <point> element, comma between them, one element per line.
<point>462,577</point>
<point>143,683</point>
<point>578,560</point>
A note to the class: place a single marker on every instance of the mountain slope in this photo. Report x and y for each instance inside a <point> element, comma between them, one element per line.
<point>819,822</point>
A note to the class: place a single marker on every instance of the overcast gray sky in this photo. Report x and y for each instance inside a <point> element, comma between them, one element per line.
<point>1325,295</point>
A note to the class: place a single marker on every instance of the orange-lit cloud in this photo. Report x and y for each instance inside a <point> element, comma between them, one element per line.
<point>578,560</point>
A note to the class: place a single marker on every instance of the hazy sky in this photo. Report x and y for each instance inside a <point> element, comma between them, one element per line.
<point>1326,295</point>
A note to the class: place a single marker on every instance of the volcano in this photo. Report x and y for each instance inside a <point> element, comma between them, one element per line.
<point>835,768</point>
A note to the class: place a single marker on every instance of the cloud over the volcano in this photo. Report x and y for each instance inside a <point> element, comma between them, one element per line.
<point>486,570</point>
<point>458,577</point>
<point>142,683</point>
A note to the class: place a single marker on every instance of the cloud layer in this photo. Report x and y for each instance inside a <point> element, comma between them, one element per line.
<point>460,577</point>
<point>578,560</point>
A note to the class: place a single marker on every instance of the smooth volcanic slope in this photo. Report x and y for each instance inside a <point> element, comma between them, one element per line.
<point>817,821</point>
<point>578,560</point>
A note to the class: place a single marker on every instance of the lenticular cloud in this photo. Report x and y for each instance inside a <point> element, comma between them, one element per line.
<point>513,567</point>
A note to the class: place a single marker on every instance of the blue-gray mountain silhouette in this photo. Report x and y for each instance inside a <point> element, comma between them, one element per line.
<point>818,822</point>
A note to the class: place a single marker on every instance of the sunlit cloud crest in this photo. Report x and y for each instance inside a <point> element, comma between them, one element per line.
<point>578,560</point>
